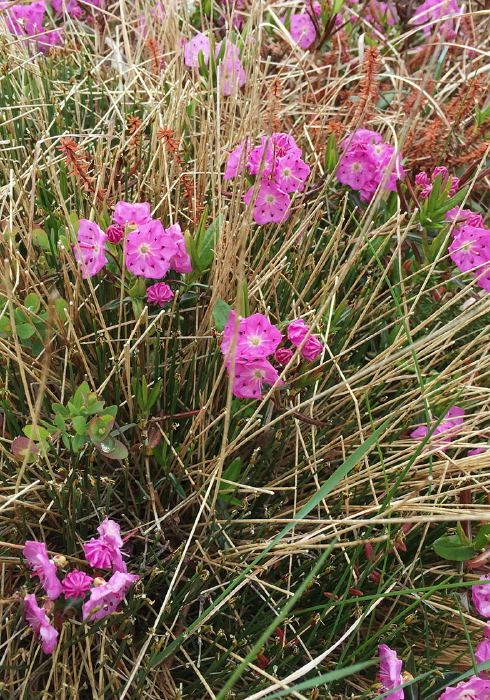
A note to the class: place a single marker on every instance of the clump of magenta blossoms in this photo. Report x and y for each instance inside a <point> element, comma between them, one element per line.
<point>367,161</point>
<point>150,250</point>
<point>438,17</point>
<point>426,183</point>
<point>310,347</point>
<point>279,172</point>
<point>99,597</point>
<point>445,432</point>
<point>27,21</point>
<point>246,345</point>
<point>231,74</point>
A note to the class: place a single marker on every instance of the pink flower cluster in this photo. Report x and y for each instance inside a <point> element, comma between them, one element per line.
<point>470,248</point>
<point>27,21</point>
<point>72,8</point>
<point>103,552</point>
<point>438,16</point>
<point>231,74</point>
<point>151,250</point>
<point>279,170</point>
<point>423,180</point>
<point>248,342</point>
<point>367,162</point>
<point>391,677</point>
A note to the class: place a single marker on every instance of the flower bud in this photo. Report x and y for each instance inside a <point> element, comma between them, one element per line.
<point>98,581</point>
<point>115,233</point>
<point>59,561</point>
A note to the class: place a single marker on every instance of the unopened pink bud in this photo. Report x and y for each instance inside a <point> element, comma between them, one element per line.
<point>283,356</point>
<point>115,233</point>
<point>422,179</point>
<point>98,581</point>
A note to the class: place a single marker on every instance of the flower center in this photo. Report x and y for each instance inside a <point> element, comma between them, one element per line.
<point>258,374</point>
<point>286,172</point>
<point>356,166</point>
<point>255,340</point>
<point>144,249</point>
<point>270,199</point>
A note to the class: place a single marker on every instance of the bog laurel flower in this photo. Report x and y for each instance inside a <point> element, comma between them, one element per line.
<point>480,594</point>
<point>115,233</point>
<point>159,293</point>
<point>271,203</point>
<point>390,672</point>
<point>255,338</point>
<point>473,689</point>
<point>90,251</point>
<point>39,623</point>
<point>446,431</point>
<point>104,599</point>
<point>134,214</point>
<point>76,584</point>
<point>37,556</point>
<point>149,250</point>
<point>250,376</point>
<point>104,552</point>
<point>191,50</point>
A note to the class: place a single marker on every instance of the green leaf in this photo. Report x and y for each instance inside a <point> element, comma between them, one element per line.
<point>59,408</point>
<point>176,484</point>
<point>450,547</point>
<point>40,238</point>
<point>32,302</point>
<point>78,442</point>
<point>463,538</point>
<point>207,245</point>
<point>221,312</point>
<point>231,473</point>
<point>452,201</point>
<point>25,331</point>
<point>61,307</point>
<point>483,537</point>
<point>331,158</point>
<point>118,451</point>
<point>80,394</point>
<point>317,681</point>
<point>80,425</point>
<point>100,427</point>
<point>40,434</point>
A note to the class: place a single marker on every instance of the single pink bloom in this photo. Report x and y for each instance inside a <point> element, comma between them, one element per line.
<point>181,261</point>
<point>250,376</point>
<point>440,170</point>
<point>271,204</point>
<point>231,74</point>
<point>104,552</point>
<point>311,349</point>
<point>236,160</point>
<point>48,39</point>
<point>482,651</point>
<point>39,623</point>
<point>256,338</point>
<point>25,20</point>
<point>432,10</point>
<point>390,672</point>
<point>302,30</point>
<point>473,689</point>
<point>422,179</point>
<point>135,214</point>
<point>159,293</point>
<point>106,598</point>
<point>76,584</point>
<point>469,217</point>
<point>361,136</point>
<point>98,553</point>
<point>37,556</point>
<point>283,356</point>
<point>356,168</point>
<point>115,233</point>
<point>149,251</point>
<point>290,173</point>
<point>297,331</point>
<point>446,430</point>
<point>192,48</point>
<point>470,249</point>
<point>480,593</point>
<point>110,532</point>
<point>393,167</point>
<point>476,451</point>
<point>90,250</point>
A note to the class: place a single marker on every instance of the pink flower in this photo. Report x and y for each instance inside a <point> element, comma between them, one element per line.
<point>236,160</point>
<point>482,651</point>
<point>181,261</point>
<point>192,48</point>
<point>256,337</point>
<point>135,214</point>
<point>297,331</point>
<point>447,429</point>
<point>283,356</point>
<point>71,7</point>
<point>271,204</point>
<point>76,584</point>
<point>104,552</point>
<point>290,173</point>
<point>302,30</point>
<point>149,251</point>
<point>356,168</point>
<point>422,179</point>
<point>25,20</point>
<point>90,250</point>
<point>311,349</point>
<point>473,689</point>
<point>480,593</point>
<point>466,215</point>
<point>250,376</point>
<point>231,74</point>
<point>471,248</point>
<point>105,599</point>
<point>476,451</point>
<point>440,170</point>
<point>432,10</point>
<point>390,672</point>
<point>39,623</point>
<point>361,136</point>
<point>115,233</point>
<point>37,556</point>
<point>48,39</point>
<point>159,293</point>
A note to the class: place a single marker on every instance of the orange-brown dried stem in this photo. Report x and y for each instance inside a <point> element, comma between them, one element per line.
<point>76,161</point>
<point>368,85</point>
